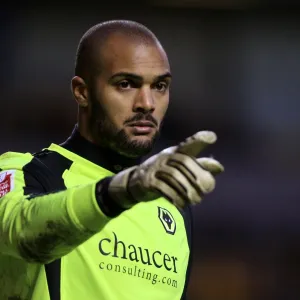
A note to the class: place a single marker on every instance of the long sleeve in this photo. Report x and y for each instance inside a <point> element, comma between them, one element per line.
<point>44,227</point>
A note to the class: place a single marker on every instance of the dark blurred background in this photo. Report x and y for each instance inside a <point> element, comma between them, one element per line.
<point>236,71</point>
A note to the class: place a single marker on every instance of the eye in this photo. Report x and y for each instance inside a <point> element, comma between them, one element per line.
<point>161,86</point>
<point>124,85</point>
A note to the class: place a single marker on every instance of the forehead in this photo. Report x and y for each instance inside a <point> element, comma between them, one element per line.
<point>125,54</point>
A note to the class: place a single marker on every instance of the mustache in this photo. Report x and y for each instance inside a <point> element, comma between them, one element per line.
<point>142,117</point>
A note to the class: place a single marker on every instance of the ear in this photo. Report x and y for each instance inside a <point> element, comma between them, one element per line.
<point>80,91</point>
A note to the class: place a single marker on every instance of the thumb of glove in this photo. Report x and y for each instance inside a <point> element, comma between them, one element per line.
<point>196,143</point>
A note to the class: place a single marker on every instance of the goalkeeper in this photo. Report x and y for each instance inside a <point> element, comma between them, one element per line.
<point>87,218</point>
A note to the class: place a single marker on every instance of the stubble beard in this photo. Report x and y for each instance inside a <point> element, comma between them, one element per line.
<point>107,135</point>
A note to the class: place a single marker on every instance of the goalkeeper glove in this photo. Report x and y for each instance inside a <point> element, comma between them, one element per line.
<point>174,173</point>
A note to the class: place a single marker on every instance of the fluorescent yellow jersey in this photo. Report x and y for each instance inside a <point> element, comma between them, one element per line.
<point>57,243</point>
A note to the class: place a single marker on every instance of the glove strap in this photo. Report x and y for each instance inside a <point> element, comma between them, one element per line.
<point>118,189</point>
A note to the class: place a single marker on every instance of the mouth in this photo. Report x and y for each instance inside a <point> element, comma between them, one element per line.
<point>142,124</point>
<point>142,127</point>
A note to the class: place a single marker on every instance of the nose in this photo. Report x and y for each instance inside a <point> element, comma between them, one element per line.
<point>144,101</point>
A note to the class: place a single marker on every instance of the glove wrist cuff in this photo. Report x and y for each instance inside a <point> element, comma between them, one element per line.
<point>118,188</point>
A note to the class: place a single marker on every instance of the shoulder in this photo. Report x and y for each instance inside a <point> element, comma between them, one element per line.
<point>40,171</point>
<point>47,167</point>
<point>34,162</point>
<point>14,160</point>
<point>51,160</point>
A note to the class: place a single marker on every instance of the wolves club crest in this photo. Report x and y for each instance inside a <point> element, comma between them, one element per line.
<point>167,220</point>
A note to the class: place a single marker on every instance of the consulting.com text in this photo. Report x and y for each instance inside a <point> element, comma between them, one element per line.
<point>138,272</point>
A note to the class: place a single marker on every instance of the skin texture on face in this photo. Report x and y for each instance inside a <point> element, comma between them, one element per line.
<point>132,86</point>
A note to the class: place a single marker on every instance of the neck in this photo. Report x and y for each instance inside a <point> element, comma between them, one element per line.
<point>83,145</point>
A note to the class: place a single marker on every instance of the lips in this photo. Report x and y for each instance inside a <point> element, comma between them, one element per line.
<point>142,124</point>
<point>142,127</point>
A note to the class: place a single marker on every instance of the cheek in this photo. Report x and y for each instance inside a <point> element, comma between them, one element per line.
<point>161,108</point>
<point>117,108</point>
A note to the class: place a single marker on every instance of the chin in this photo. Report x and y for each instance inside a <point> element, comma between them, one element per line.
<point>136,149</point>
<point>141,138</point>
<point>134,145</point>
<point>138,146</point>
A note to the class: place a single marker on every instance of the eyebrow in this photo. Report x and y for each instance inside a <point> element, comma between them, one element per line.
<point>139,78</point>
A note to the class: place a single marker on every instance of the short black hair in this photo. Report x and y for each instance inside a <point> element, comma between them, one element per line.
<point>96,37</point>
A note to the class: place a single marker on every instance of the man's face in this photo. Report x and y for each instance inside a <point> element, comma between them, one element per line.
<point>130,96</point>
